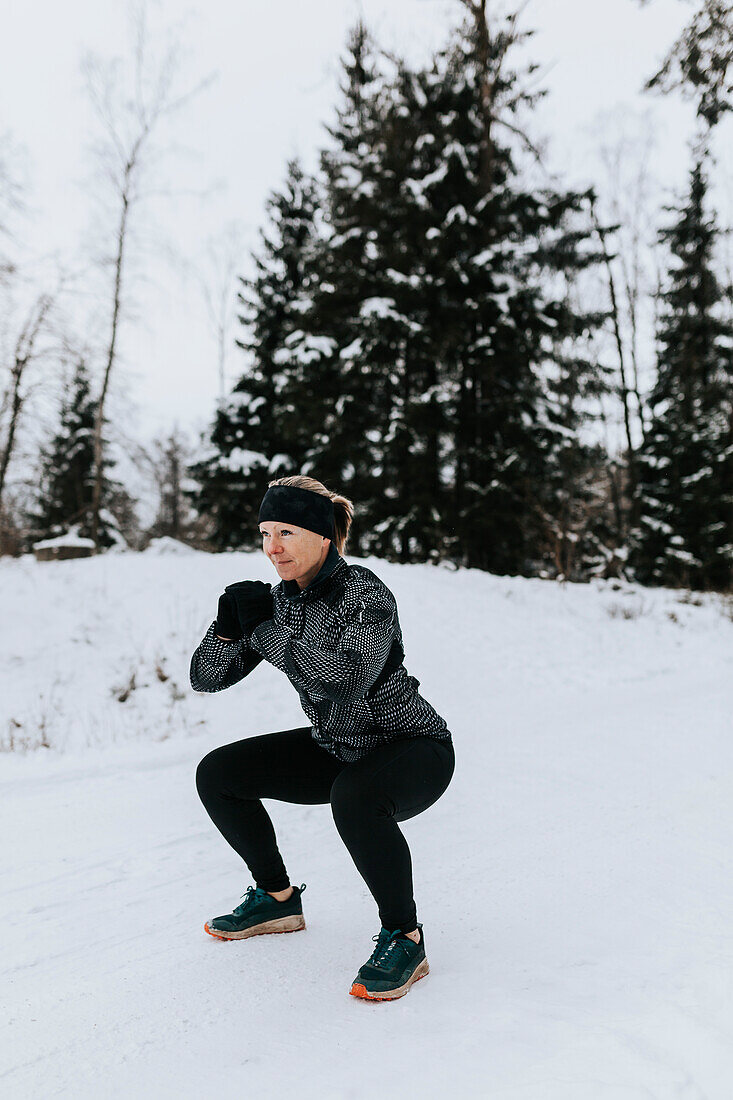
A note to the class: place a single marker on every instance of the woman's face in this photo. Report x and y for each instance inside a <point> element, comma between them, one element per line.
<point>296,553</point>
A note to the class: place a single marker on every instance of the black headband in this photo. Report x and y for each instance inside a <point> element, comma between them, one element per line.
<point>302,507</point>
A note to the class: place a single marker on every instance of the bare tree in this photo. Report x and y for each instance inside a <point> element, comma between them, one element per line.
<point>11,198</point>
<point>162,464</point>
<point>602,233</point>
<point>217,278</point>
<point>623,215</point>
<point>628,192</point>
<point>131,119</point>
<point>25,351</point>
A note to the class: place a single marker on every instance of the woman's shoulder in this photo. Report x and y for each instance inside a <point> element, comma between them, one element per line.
<point>360,579</point>
<point>361,574</point>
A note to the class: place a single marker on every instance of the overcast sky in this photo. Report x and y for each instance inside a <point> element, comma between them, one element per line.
<point>277,67</point>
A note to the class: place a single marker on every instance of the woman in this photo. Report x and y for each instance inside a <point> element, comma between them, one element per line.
<point>375,749</point>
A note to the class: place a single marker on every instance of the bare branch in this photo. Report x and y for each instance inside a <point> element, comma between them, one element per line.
<point>131,121</point>
<point>520,133</point>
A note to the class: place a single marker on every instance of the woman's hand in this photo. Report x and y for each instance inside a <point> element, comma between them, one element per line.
<point>253,603</point>
<point>227,621</point>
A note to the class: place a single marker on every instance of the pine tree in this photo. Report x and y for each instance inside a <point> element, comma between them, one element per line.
<point>476,269</point>
<point>433,291</point>
<point>263,428</point>
<point>684,536</point>
<point>67,470</point>
<point>699,60</point>
<point>359,347</point>
<point>409,361</point>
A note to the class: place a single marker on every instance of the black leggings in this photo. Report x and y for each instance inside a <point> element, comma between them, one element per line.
<point>391,783</point>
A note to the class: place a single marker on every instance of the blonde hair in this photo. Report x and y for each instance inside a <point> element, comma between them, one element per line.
<point>343,509</point>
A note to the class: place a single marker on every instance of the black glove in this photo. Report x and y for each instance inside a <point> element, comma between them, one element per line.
<point>227,621</point>
<point>253,602</point>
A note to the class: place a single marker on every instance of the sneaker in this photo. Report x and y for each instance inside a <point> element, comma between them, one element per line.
<point>395,963</point>
<point>259,913</point>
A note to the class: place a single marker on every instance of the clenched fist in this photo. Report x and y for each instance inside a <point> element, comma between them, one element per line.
<point>227,621</point>
<point>252,602</point>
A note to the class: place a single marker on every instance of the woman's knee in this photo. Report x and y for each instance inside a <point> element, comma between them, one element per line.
<point>223,767</point>
<point>209,771</point>
<point>237,770</point>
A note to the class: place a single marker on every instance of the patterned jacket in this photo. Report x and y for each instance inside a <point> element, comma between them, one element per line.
<point>339,642</point>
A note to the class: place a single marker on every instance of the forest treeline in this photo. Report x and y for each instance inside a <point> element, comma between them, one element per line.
<point>422,332</point>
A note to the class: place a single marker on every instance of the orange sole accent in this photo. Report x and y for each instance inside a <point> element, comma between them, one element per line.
<point>232,939</point>
<point>359,990</point>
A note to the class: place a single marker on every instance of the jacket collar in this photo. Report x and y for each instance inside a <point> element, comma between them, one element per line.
<point>332,562</point>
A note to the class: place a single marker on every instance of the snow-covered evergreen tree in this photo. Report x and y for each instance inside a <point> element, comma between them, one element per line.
<point>442,284</point>
<point>685,492</point>
<point>359,348</point>
<point>263,428</point>
<point>67,470</point>
<point>475,269</point>
<point>409,359</point>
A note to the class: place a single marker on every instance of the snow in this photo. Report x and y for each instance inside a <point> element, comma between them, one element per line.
<point>70,538</point>
<point>239,399</point>
<point>574,880</point>
<point>350,175</point>
<point>241,460</point>
<point>386,309</point>
<point>304,347</point>
<point>417,187</point>
<point>400,278</point>
<point>378,307</point>
<point>167,545</point>
<point>457,213</point>
<point>486,256</point>
<point>354,348</point>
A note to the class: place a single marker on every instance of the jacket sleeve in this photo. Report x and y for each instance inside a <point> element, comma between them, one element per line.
<point>346,670</point>
<point>216,665</point>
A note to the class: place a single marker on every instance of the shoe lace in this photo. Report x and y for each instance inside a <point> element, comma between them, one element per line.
<point>388,948</point>
<point>252,894</point>
<point>380,941</point>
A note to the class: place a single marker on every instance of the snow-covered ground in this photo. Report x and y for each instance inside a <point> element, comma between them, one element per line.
<point>575,881</point>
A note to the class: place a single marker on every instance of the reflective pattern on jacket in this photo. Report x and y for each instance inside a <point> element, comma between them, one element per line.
<point>339,642</point>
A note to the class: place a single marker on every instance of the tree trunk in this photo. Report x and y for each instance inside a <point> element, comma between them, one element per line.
<point>615,318</point>
<point>99,415</point>
<point>23,355</point>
